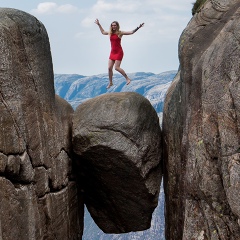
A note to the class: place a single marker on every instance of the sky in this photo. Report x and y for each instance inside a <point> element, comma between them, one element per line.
<point>78,47</point>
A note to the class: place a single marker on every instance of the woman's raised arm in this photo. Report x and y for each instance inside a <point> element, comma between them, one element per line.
<point>133,31</point>
<point>100,27</point>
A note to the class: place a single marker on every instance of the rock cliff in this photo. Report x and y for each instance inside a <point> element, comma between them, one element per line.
<point>36,183</point>
<point>201,128</point>
<point>116,140</point>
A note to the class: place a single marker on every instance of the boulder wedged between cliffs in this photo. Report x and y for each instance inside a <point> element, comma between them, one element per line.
<point>117,140</point>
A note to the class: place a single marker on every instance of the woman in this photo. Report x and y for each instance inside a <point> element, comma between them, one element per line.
<point>116,54</point>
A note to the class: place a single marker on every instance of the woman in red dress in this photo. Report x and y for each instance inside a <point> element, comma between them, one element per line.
<point>116,54</point>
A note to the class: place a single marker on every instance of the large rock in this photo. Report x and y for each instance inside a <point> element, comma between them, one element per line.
<point>201,128</point>
<point>117,140</point>
<point>38,197</point>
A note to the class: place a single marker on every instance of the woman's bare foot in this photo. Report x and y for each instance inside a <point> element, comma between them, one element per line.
<point>128,80</point>
<point>109,85</point>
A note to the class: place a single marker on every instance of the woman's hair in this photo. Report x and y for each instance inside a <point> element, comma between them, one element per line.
<point>118,32</point>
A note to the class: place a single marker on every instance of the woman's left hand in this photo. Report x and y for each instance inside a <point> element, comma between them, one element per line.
<point>97,22</point>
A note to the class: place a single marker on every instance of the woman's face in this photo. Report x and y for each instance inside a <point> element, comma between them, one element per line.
<point>114,26</point>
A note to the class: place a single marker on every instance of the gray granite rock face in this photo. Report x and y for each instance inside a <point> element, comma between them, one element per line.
<point>117,140</point>
<point>201,128</point>
<point>38,196</point>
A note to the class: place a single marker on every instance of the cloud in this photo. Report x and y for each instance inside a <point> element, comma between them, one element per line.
<point>103,9</point>
<point>142,6</point>
<point>66,8</point>
<point>178,6</point>
<point>119,5</point>
<point>52,7</point>
<point>165,16</point>
<point>45,8</point>
<point>79,35</point>
<point>88,21</point>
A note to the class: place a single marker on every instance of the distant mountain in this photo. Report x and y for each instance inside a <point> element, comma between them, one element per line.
<point>77,89</point>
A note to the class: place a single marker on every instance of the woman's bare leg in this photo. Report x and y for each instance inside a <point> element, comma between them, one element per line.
<point>110,72</point>
<point>117,68</point>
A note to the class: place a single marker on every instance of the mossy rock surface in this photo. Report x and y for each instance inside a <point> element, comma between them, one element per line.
<point>197,5</point>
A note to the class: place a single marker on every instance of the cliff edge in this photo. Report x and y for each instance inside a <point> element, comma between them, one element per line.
<point>201,123</point>
<point>36,183</point>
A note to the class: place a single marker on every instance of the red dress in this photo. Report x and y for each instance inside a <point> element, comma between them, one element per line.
<point>116,48</point>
